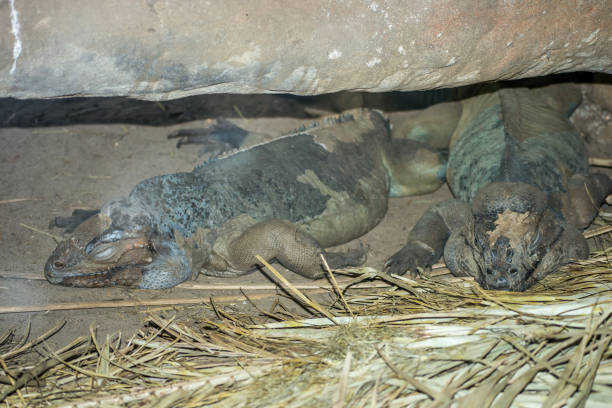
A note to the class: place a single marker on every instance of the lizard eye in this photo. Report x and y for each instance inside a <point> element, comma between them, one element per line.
<point>103,252</point>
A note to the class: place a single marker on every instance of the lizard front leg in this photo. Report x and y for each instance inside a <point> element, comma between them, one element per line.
<point>427,239</point>
<point>293,248</point>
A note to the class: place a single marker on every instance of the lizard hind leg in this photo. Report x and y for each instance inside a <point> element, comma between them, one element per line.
<point>585,194</point>
<point>418,150</point>
<point>221,137</point>
<point>69,224</point>
<point>283,241</point>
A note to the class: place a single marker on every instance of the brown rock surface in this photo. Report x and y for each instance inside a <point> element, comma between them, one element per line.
<point>601,93</point>
<point>165,50</point>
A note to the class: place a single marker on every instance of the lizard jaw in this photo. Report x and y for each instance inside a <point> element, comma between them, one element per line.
<point>129,275</point>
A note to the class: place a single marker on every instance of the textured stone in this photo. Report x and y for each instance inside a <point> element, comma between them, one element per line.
<point>601,94</point>
<point>163,50</point>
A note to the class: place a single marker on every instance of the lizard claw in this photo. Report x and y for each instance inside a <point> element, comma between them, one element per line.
<point>411,258</point>
<point>351,257</point>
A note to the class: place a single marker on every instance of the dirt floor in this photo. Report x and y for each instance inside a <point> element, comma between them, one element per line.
<point>80,159</point>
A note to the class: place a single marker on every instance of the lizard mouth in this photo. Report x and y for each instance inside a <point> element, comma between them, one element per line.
<point>114,276</point>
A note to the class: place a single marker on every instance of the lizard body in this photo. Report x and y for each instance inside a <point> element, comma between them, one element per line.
<point>518,170</point>
<point>286,198</point>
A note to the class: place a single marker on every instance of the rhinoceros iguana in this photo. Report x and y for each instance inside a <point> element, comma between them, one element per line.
<point>285,198</point>
<point>518,170</point>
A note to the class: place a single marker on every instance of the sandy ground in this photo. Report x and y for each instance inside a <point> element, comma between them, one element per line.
<point>49,171</point>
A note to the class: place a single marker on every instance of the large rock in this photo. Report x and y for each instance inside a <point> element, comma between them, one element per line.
<point>153,49</point>
<point>600,92</point>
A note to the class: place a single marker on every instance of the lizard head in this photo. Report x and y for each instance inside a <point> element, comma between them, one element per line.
<point>510,255</point>
<point>109,249</point>
<point>514,239</point>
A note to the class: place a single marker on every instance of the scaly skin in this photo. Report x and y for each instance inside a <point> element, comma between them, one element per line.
<point>518,170</point>
<point>285,199</point>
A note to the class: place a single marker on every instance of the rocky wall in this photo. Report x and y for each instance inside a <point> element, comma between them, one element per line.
<point>157,50</point>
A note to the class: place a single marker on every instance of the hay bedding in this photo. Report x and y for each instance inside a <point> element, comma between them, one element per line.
<point>430,342</point>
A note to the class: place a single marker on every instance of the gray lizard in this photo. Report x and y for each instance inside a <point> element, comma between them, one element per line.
<point>286,198</point>
<point>518,170</point>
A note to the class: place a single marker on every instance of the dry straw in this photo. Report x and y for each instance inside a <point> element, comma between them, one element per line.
<point>428,342</point>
